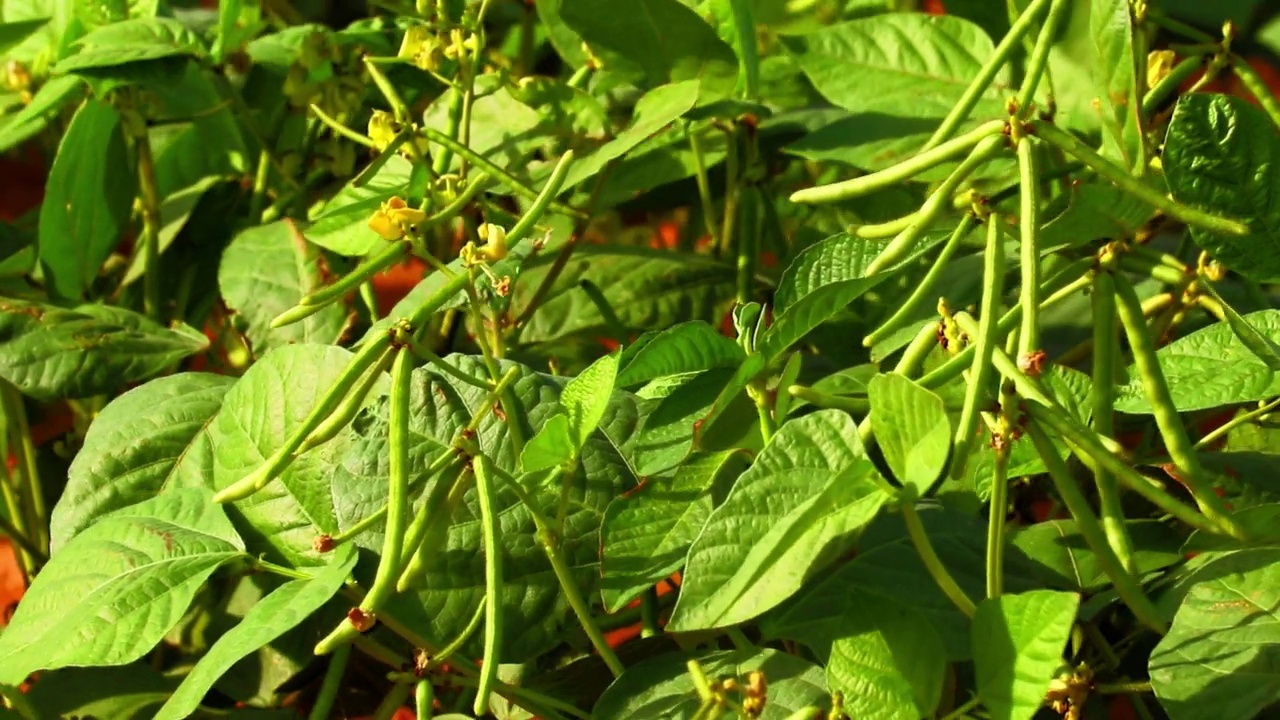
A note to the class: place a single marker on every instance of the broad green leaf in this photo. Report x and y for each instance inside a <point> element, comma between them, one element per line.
<point>133,448</point>
<point>663,159</point>
<point>53,353</point>
<point>682,349</point>
<point>258,414</point>
<point>804,500</point>
<point>131,41</point>
<point>1018,641</point>
<point>504,130</point>
<point>1260,345</point>
<point>51,98</point>
<point>342,225</point>
<point>1221,655</point>
<point>661,687</point>
<point>128,692</point>
<point>13,33</point>
<point>212,145</point>
<point>1259,523</point>
<point>586,396</point>
<point>1223,156</point>
<point>118,587</point>
<point>562,37</point>
<point>270,618</point>
<point>1114,71</point>
<point>669,41</point>
<point>265,271</point>
<point>1068,563</point>
<point>654,111</point>
<point>647,532</point>
<point>891,667</point>
<point>1210,368</point>
<point>911,428</point>
<point>905,64</point>
<point>669,430</point>
<point>550,447</point>
<point>88,200</point>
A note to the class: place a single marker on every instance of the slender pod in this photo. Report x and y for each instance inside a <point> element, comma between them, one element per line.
<point>749,207</point>
<point>394,700</point>
<point>331,684</point>
<point>520,188</point>
<point>281,458</point>
<point>1172,430</point>
<point>1039,62</point>
<point>349,407</point>
<point>1170,83</point>
<point>1106,355</point>
<point>1126,585</point>
<point>1029,233</point>
<point>543,201</point>
<point>996,518</point>
<point>493,583</point>
<point>1126,182</point>
<point>1257,87</point>
<point>985,340</point>
<point>924,547</point>
<point>430,528</point>
<point>385,258</point>
<point>423,697</point>
<point>888,229</point>
<point>938,201</point>
<point>905,170</point>
<point>925,287</point>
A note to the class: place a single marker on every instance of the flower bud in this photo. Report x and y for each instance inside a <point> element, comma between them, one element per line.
<point>395,219</point>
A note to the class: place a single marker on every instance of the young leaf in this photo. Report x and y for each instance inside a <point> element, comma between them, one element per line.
<point>1222,155</point>
<point>1114,72</point>
<point>1017,649</point>
<point>552,446</point>
<point>806,497</point>
<point>912,428</point>
<point>118,587</point>
<point>682,349</point>
<point>1221,655</point>
<point>586,396</point>
<point>646,533</point>
<point>268,619</point>
<point>53,353</point>
<point>87,202</point>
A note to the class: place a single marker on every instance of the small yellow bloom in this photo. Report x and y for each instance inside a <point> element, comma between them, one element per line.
<point>495,237</point>
<point>383,128</point>
<point>395,219</point>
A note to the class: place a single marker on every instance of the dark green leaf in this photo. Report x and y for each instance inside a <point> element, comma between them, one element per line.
<point>1114,73</point>
<point>1068,563</point>
<point>1017,649</point>
<point>689,347</point>
<point>912,429</point>
<point>128,692</point>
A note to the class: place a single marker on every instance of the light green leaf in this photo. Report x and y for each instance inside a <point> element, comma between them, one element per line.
<point>586,396</point>
<point>804,500</point>
<point>1222,155</point>
<point>1221,655</point>
<point>912,428</point>
<point>1260,345</point>
<point>905,64</point>
<point>131,41</point>
<point>891,667</point>
<point>88,200</point>
<point>263,272</point>
<point>647,532</point>
<point>118,587</point>
<point>13,33</point>
<point>661,687</point>
<point>133,448</point>
<point>1210,368</point>
<point>552,446</point>
<point>52,96</point>
<point>342,225</point>
<point>686,348</point>
<point>1114,75</point>
<point>1017,649</point>
<point>270,618</point>
<point>53,353</point>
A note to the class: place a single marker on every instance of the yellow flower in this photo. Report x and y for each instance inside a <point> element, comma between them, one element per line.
<point>383,128</point>
<point>495,237</point>
<point>395,219</point>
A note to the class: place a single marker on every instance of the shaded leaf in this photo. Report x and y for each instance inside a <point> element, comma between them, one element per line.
<point>912,429</point>
<point>1017,649</point>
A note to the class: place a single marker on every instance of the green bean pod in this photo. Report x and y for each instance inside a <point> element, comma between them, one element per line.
<point>423,697</point>
<point>350,406</point>
<point>329,402</point>
<point>505,177</point>
<point>985,341</point>
<point>1106,354</point>
<point>543,201</point>
<point>1029,227</point>
<point>430,528</point>
<point>1039,60</point>
<point>879,231</point>
<point>493,584</point>
<point>385,258</point>
<point>1256,87</point>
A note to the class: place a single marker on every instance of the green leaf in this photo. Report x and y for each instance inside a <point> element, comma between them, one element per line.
<point>1017,649</point>
<point>1260,345</point>
<point>128,692</point>
<point>661,687</point>
<point>503,128</point>
<point>1114,71</point>
<point>1222,155</point>
<point>905,64</point>
<point>270,618</point>
<point>53,353</point>
<point>1259,524</point>
<point>1210,368</point>
<point>736,24</point>
<point>586,396</point>
<point>911,428</point>
<point>1095,212</point>
<point>806,497</point>
<point>1067,562</point>
<point>134,447</point>
<point>342,225</point>
<point>263,272</point>
<point>669,429</point>
<point>52,96</point>
<point>88,200</point>
<point>551,447</point>
<point>654,111</point>
<point>132,41</point>
<point>669,41</point>
<point>647,532</point>
<point>117,588</point>
<point>682,349</point>
<point>13,33</point>
<point>891,666</point>
<point>1220,657</point>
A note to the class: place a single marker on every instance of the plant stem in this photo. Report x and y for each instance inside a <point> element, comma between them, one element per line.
<point>996,519</point>
<point>938,571</point>
<point>1038,65</point>
<point>393,701</point>
<point>1106,355</point>
<point>1126,182</point>
<point>1234,423</point>
<point>985,341</point>
<point>1126,585</point>
<point>149,195</point>
<point>35,519</point>
<point>1018,29</point>
<point>1170,83</point>
<point>323,709</point>
<point>649,613</point>
<point>1029,225</point>
<point>704,187</point>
